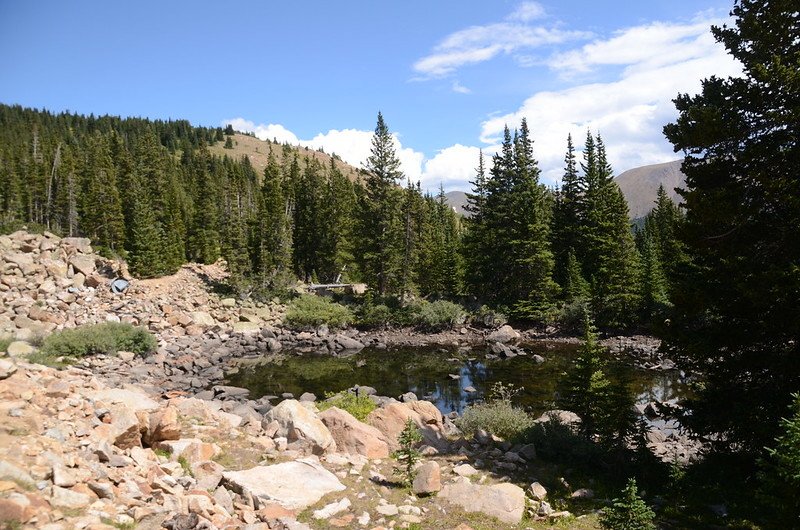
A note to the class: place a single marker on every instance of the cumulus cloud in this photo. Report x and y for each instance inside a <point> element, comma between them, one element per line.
<point>527,11</point>
<point>659,61</point>
<point>352,145</point>
<point>477,44</point>
<point>270,131</point>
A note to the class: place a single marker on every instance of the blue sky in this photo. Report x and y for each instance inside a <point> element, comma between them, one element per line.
<point>447,75</point>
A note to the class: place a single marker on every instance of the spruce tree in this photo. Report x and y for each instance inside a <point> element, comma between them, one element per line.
<point>628,511</point>
<point>736,318</point>
<point>381,230</point>
<point>567,220</point>
<point>587,386</point>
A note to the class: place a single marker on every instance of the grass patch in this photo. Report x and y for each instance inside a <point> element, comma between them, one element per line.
<point>187,468</point>
<point>358,406</point>
<point>5,342</point>
<point>118,525</point>
<point>107,338</point>
<point>53,361</point>
<point>311,311</point>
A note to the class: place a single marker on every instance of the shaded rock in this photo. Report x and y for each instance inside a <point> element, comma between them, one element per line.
<point>428,479</point>
<point>537,491</point>
<point>294,485</point>
<point>348,343</point>
<point>296,422</point>
<point>505,501</point>
<point>352,436</point>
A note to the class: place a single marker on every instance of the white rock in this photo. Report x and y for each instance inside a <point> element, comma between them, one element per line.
<point>294,485</point>
<point>332,509</point>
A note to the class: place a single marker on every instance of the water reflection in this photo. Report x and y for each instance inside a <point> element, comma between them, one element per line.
<point>427,373</point>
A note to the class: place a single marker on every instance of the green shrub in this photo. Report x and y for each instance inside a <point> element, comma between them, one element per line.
<point>311,311</point>
<point>358,406</point>
<point>497,416</point>
<point>375,316</point>
<point>490,318</point>
<point>5,342</point>
<point>440,314</point>
<point>107,338</point>
<point>628,512</point>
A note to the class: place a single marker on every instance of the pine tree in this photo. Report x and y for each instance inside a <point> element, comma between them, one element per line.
<point>780,471</point>
<point>381,230</point>
<point>735,317</point>
<point>102,219</point>
<point>587,386</point>
<point>628,511</point>
<point>655,298</point>
<point>272,237</point>
<point>567,221</point>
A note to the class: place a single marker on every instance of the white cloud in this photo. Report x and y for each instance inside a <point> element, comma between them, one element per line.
<point>452,166</point>
<point>271,131</point>
<point>527,11</point>
<point>477,44</point>
<point>352,145</point>
<point>659,60</point>
<point>460,89</point>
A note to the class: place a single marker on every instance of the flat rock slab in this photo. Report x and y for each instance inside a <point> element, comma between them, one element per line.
<point>294,485</point>
<point>132,399</point>
<point>506,502</point>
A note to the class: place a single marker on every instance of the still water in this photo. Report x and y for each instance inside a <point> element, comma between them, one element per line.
<point>429,374</point>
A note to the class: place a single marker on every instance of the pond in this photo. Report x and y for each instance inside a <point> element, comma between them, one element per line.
<point>430,374</point>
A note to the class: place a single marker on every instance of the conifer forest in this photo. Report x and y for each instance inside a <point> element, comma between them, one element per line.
<point>715,275</point>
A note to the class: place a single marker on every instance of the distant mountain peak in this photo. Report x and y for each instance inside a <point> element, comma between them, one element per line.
<point>640,185</point>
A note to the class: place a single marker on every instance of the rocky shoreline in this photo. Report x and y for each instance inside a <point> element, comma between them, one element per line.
<point>161,442</point>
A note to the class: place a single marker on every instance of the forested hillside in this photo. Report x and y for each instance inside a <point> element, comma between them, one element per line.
<point>163,193</point>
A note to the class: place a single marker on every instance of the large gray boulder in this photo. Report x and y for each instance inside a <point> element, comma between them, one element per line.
<point>505,501</point>
<point>294,485</point>
<point>298,422</point>
<point>503,335</point>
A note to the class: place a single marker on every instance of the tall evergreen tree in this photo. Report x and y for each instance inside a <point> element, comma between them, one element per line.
<point>736,318</point>
<point>381,230</point>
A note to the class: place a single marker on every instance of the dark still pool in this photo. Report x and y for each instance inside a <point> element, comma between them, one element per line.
<point>451,379</point>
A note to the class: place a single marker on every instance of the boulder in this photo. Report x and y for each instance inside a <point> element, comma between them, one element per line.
<point>201,318</point>
<point>246,327</point>
<point>391,420</point>
<point>294,485</point>
<point>296,422</point>
<point>83,264</point>
<point>348,343</point>
<point>65,498</point>
<point>19,348</point>
<point>125,427</point>
<point>564,417</point>
<point>7,369</point>
<point>163,425</point>
<point>503,335</point>
<point>352,436</point>
<point>428,479</point>
<point>81,244</point>
<point>537,491</point>
<point>134,399</point>
<point>504,501</point>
